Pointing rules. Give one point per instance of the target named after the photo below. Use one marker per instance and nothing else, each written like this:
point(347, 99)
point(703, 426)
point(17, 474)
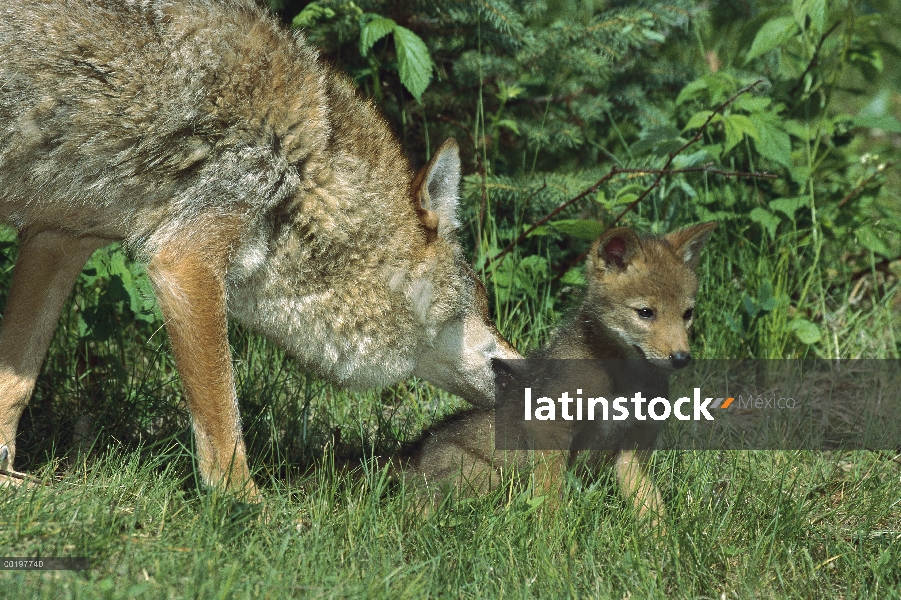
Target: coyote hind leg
point(48, 264)
point(189, 278)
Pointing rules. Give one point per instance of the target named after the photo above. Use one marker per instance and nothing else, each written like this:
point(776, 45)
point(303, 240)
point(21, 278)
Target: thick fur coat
point(251, 178)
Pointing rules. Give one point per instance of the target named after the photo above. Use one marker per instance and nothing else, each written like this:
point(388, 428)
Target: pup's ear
point(615, 248)
point(435, 190)
point(688, 242)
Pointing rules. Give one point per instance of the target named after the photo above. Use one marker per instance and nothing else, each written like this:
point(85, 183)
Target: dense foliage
point(546, 97)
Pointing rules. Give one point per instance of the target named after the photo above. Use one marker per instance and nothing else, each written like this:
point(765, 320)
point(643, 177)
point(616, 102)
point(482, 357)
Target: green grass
point(743, 524)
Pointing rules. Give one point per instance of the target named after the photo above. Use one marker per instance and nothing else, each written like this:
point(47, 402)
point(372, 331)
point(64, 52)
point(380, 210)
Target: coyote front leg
point(189, 278)
point(48, 264)
point(632, 468)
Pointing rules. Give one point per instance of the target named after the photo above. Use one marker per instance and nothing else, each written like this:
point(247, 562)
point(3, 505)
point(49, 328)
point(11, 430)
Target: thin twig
point(22, 476)
point(880, 267)
point(590, 190)
point(672, 155)
point(865, 182)
point(814, 59)
point(703, 169)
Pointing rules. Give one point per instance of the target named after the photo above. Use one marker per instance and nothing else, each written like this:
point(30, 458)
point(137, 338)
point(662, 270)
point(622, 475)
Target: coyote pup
point(639, 305)
point(254, 183)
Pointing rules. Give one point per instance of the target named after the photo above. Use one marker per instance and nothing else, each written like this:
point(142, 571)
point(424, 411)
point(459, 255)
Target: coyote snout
point(254, 183)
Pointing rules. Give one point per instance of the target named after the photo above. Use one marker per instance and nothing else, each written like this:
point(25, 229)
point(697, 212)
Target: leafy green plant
point(412, 60)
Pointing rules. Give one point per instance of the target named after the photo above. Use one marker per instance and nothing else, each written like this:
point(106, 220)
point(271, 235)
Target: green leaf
point(750, 306)
point(806, 331)
point(509, 124)
point(885, 122)
point(689, 160)
point(772, 141)
point(535, 502)
point(752, 104)
point(654, 36)
point(692, 90)
point(798, 129)
point(414, 61)
point(628, 193)
point(689, 191)
point(312, 13)
point(768, 220)
point(698, 119)
point(765, 298)
point(744, 124)
point(869, 240)
point(375, 30)
point(583, 229)
point(737, 127)
point(788, 206)
point(815, 9)
point(774, 33)
point(801, 175)
point(733, 325)
point(663, 138)
point(574, 276)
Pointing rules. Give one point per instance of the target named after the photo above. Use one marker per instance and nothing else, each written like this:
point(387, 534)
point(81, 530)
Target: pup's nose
point(680, 360)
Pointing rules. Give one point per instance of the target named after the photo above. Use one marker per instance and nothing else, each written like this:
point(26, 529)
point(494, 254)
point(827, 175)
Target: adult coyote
point(254, 183)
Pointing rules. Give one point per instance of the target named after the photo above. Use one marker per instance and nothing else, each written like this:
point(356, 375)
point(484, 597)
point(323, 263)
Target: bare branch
point(814, 59)
point(23, 477)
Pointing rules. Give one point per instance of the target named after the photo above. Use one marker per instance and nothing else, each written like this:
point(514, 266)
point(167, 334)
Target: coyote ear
point(435, 188)
point(616, 247)
point(687, 242)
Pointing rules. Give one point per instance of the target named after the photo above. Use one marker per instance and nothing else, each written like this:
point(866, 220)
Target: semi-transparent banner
point(709, 405)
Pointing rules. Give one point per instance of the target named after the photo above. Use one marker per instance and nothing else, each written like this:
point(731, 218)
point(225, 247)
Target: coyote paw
point(9, 477)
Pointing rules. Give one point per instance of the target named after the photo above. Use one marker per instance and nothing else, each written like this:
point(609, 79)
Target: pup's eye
point(645, 313)
point(688, 314)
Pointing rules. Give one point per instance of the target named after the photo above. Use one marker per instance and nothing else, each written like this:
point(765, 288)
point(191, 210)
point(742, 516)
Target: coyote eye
point(645, 313)
point(688, 314)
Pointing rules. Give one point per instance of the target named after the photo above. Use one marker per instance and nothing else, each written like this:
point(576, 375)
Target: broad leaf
point(311, 14)
point(414, 61)
point(737, 127)
point(806, 331)
point(869, 240)
point(773, 141)
point(769, 221)
point(774, 33)
point(698, 119)
point(815, 9)
point(788, 206)
point(375, 30)
point(582, 229)
point(885, 122)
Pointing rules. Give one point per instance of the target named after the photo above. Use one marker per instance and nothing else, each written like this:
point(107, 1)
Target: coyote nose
point(680, 359)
